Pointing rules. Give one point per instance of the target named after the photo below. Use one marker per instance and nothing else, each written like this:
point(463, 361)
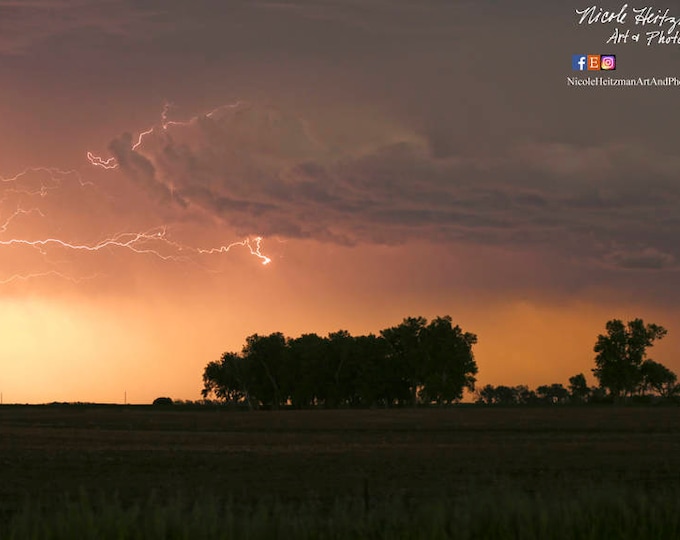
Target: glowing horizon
point(414, 179)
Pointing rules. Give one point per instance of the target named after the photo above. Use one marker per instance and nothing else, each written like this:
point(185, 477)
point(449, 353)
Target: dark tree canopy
point(449, 366)
point(421, 362)
point(657, 377)
point(578, 388)
point(553, 393)
point(406, 364)
point(620, 354)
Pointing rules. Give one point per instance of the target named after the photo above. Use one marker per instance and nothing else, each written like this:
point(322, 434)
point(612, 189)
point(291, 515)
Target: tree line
point(621, 368)
point(417, 362)
point(411, 363)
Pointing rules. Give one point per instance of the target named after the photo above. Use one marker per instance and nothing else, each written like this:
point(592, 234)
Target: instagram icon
point(608, 62)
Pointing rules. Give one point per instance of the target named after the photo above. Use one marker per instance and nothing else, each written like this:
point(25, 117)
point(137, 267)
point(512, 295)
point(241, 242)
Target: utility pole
point(125, 398)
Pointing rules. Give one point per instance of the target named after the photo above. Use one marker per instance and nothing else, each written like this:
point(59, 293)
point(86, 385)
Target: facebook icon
point(578, 62)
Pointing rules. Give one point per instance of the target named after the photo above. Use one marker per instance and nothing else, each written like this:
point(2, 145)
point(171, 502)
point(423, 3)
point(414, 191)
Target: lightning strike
point(110, 163)
point(103, 163)
point(142, 243)
point(53, 174)
point(164, 114)
point(245, 243)
point(155, 242)
point(165, 123)
point(19, 212)
point(48, 273)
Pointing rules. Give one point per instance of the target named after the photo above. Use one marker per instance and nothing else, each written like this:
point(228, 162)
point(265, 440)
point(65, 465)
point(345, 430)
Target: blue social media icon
point(579, 62)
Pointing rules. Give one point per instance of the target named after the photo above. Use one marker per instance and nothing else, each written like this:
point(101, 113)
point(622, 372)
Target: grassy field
point(538, 464)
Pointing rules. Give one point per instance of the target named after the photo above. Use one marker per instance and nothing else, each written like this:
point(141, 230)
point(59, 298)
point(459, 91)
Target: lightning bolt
point(40, 182)
point(18, 212)
point(254, 250)
point(254, 244)
point(165, 123)
point(103, 163)
point(55, 176)
point(48, 273)
point(142, 243)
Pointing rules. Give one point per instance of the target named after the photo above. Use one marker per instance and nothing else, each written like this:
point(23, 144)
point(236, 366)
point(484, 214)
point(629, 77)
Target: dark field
point(422, 454)
point(132, 450)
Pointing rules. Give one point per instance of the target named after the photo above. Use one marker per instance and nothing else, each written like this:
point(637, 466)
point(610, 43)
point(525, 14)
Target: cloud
point(643, 259)
point(24, 25)
point(383, 16)
point(266, 171)
point(141, 170)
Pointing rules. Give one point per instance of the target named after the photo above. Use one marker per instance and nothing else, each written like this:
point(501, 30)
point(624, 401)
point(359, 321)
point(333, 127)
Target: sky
point(176, 176)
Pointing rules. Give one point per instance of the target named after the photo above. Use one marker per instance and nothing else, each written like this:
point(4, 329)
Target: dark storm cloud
point(31, 23)
point(453, 117)
point(141, 170)
point(265, 171)
point(383, 16)
point(645, 259)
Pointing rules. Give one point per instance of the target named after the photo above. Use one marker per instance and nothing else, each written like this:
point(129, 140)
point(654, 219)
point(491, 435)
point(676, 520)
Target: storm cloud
point(267, 171)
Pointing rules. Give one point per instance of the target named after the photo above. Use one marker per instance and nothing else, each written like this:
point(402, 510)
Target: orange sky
point(87, 347)
point(397, 159)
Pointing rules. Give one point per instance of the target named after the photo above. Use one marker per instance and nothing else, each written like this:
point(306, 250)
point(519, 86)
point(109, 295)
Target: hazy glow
point(382, 170)
point(151, 344)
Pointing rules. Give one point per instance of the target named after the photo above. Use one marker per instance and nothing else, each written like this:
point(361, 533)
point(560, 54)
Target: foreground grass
point(454, 473)
point(592, 514)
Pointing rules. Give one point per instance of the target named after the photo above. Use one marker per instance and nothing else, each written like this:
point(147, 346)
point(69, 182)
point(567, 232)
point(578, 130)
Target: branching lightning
point(48, 273)
point(149, 242)
point(254, 249)
point(54, 177)
point(110, 163)
point(18, 212)
point(103, 163)
point(25, 194)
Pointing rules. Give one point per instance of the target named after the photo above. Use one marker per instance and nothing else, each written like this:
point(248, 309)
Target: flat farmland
point(294, 455)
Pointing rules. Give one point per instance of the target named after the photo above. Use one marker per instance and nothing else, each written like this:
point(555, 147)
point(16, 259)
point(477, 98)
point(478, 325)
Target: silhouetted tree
point(553, 393)
point(229, 379)
point(578, 388)
point(162, 401)
point(486, 395)
point(598, 394)
point(375, 382)
point(407, 354)
point(620, 353)
point(266, 359)
point(659, 378)
point(342, 370)
point(449, 365)
point(525, 396)
point(305, 369)
point(506, 395)
point(498, 395)
point(432, 361)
